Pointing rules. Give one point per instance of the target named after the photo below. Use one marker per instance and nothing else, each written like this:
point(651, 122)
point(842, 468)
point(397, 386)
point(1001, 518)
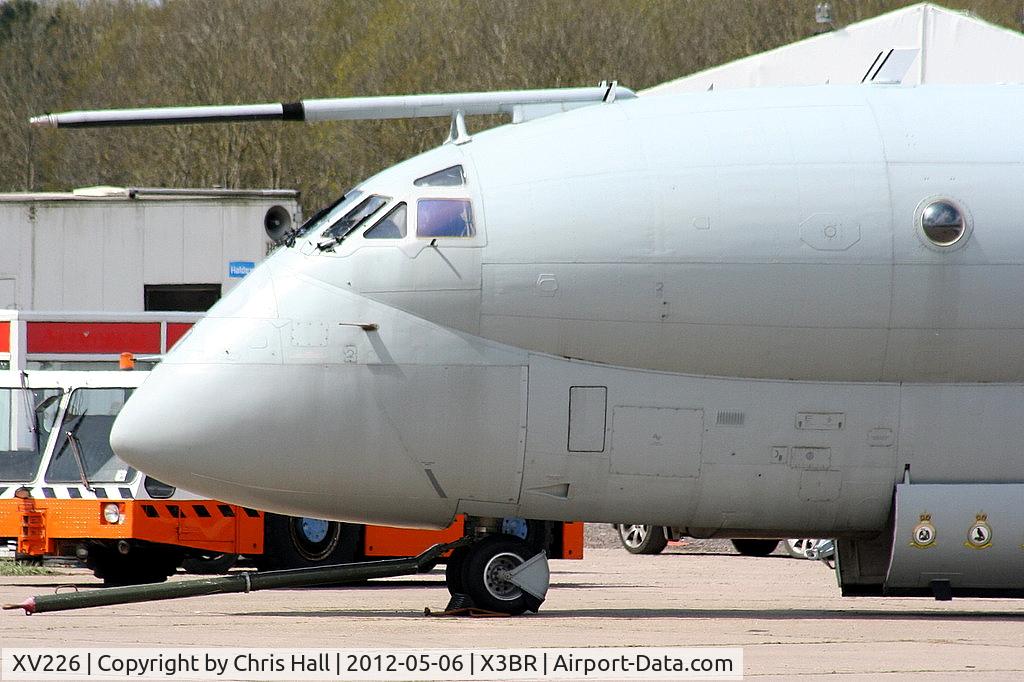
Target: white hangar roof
point(935, 45)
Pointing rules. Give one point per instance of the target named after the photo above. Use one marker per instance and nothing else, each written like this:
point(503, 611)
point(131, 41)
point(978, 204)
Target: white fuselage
point(716, 311)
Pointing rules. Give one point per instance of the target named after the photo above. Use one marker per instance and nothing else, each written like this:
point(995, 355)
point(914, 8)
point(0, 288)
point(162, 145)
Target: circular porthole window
point(943, 223)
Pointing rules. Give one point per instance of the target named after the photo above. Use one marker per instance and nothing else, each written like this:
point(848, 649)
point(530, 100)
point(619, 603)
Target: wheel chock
point(459, 601)
point(462, 605)
point(532, 576)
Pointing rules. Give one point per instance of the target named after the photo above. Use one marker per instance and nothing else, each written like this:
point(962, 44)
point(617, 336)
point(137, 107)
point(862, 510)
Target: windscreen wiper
point(76, 449)
point(26, 392)
point(351, 221)
point(329, 241)
point(289, 237)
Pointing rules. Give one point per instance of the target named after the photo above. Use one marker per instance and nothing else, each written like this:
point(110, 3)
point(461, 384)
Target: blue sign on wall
point(240, 268)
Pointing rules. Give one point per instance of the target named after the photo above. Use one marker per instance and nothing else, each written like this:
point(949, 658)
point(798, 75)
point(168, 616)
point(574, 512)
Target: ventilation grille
point(730, 418)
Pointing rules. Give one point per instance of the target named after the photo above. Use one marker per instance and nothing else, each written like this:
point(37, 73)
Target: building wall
point(99, 255)
point(953, 48)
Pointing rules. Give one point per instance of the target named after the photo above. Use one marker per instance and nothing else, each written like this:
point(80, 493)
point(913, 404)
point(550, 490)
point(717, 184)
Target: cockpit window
point(354, 218)
point(328, 214)
point(452, 176)
point(391, 226)
point(444, 218)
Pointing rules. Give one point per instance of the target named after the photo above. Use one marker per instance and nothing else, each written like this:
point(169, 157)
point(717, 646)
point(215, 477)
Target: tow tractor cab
point(63, 492)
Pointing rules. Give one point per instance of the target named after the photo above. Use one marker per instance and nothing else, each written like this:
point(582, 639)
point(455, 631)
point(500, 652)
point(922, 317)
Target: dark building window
point(191, 298)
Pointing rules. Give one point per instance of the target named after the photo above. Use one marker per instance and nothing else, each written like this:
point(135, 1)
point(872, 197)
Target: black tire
point(755, 547)
point(296, 542)
point(208, 563)
point(638, 538)
point(28, 559)
point(453, 571)
point(144, 564)
point(480, 575)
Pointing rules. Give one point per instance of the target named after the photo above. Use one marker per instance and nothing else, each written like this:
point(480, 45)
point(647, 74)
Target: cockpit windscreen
point(328, 214)
point(391, 226)
point(351, 220)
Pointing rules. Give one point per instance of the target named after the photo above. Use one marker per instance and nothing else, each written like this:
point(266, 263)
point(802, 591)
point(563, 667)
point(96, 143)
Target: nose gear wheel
point(496, 576)
point(482, 576)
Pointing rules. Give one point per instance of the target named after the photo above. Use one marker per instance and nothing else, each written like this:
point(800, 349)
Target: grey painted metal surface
point(744, 273)
point(969, 536)
point(751, 235)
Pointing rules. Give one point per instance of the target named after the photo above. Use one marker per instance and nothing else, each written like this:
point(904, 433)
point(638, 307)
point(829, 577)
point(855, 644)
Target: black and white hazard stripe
point(53, 491)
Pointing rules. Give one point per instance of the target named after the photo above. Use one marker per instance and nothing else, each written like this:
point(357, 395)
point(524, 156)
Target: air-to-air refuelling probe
point(762, 313)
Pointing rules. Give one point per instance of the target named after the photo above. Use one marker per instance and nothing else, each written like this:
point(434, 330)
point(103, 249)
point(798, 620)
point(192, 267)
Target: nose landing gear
point(498, 573)
point(487, 570)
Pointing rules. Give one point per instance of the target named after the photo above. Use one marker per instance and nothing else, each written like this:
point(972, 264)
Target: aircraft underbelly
point(612, 444)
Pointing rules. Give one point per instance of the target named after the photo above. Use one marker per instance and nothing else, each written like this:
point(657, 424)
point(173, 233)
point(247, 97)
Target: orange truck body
point(384, 541)
point(42, 526)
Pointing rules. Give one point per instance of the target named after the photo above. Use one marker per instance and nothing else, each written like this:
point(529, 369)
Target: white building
point(941, 46)
point(130, 250)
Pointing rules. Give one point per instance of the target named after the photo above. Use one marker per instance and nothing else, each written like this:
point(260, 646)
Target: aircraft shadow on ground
point(785, 614)
point(668, 554)
point(633, 613)
point(419, 584)
point(69, 586)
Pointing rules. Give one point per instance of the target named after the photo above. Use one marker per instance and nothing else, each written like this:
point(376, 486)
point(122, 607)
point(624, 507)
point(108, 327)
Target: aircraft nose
point(185, 409)
point(208, 416)
point(274, 402)
point(149, 433)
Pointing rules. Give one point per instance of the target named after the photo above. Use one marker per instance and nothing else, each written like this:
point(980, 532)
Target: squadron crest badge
point(923, 534)
point(979, 536)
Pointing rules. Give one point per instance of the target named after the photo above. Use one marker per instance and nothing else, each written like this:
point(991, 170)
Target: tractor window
point(86, 431)
point(444, 218)
point(391, 226)
point(26, 418)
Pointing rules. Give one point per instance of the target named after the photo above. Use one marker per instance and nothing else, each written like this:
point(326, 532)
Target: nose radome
point(151, 433)
point(128, 437)
point(253, 297)
point(272, 412)
point(176, 417)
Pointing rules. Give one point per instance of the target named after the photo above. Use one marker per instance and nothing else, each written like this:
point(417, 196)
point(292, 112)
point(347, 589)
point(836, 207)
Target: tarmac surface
point(785, 613)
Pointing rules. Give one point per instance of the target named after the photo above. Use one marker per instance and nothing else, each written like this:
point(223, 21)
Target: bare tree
point(60, 54)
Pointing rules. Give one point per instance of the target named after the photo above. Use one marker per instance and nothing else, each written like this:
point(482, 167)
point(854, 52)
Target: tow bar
point(242, 582)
